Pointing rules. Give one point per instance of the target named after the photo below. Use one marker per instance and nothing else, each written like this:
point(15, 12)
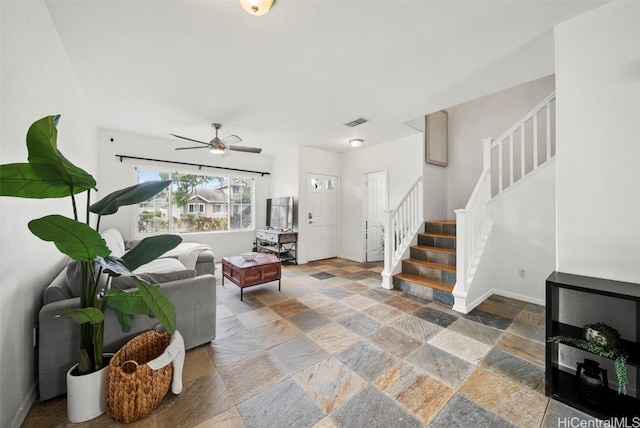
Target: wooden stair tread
point(426, 282)
point(433, 265)
point(442, 222)
point(436, 249)
point(437, 235)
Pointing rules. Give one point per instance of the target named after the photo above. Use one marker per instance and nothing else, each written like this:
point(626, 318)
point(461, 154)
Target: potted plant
point(601, 339)
point(48, 174)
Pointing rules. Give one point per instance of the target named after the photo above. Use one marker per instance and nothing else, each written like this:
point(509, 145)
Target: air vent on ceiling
point(357, 122)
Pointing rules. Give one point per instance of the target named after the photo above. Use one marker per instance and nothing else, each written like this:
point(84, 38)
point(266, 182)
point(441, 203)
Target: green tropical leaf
point(128, 302)
point(86, 315)
point(49, 163)
point(128, 196)
point(125, 320)
point(159, 304)
point(150, 248)
point(21, 181)
point(75, 239)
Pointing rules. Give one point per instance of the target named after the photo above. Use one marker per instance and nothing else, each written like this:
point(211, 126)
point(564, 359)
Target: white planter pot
point(86, 395)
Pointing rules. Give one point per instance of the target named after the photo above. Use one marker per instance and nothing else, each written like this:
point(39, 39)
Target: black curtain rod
point(262, 173)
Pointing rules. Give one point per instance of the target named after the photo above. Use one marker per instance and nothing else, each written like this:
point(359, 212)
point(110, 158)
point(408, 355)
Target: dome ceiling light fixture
point(356, 142)
point(256, 7)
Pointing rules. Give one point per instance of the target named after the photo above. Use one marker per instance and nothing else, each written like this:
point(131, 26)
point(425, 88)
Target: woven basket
point(134, 389)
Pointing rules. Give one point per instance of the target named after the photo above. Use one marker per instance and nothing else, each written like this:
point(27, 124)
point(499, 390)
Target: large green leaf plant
point(48, 174)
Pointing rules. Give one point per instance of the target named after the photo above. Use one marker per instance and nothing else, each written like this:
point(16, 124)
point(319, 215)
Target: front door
point(375, 202)
point(322, 216)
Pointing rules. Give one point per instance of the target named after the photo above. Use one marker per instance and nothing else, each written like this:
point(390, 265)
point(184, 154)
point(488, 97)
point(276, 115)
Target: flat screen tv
point(280, 213)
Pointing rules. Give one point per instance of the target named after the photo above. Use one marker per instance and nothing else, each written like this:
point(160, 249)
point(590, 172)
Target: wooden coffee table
point(264, 268)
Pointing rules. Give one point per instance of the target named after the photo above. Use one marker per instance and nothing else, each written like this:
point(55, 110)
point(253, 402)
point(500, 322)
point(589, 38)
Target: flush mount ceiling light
point(256, 7)
point(356, 142)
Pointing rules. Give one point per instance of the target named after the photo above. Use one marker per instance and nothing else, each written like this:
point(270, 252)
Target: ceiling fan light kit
point(356, 142)
point(256, 7)
point(216, 149)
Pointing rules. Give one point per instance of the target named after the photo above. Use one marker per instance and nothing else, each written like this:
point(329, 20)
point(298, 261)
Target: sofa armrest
point(59, 337)
point(195, 303)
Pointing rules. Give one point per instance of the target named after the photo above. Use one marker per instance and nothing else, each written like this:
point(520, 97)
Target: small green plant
point(602, 334)
point(605, 344)
point(48, 174)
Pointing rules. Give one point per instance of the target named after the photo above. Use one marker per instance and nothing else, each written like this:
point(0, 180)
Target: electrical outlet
point(522, 273)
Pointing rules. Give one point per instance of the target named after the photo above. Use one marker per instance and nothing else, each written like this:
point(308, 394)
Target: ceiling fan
point(219, 146)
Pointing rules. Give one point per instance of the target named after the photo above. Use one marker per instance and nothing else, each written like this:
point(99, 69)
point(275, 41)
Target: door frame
point(365, 204)
point(305, 220)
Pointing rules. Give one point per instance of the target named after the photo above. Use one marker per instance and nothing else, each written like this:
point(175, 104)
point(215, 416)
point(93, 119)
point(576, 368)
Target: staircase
point(430, 270)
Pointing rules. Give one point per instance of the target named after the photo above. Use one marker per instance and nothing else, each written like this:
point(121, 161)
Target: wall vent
point(357, 122)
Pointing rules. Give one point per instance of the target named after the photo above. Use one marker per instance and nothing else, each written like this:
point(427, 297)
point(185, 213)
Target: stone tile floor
point(334, 349)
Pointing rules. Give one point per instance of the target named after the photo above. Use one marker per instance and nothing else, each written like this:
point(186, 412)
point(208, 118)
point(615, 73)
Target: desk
point(244, 273)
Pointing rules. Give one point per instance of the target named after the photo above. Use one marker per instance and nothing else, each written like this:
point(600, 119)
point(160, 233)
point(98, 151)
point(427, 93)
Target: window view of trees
point(196, 203)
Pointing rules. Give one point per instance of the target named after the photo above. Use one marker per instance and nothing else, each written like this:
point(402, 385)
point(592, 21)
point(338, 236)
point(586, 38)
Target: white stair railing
point(472, 225)
point(400, 227)
point(524, 147)
point(514, 155)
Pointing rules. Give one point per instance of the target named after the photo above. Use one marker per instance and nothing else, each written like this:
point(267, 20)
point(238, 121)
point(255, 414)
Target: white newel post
point(461, 248)
point(388, 249)
point(486, 152)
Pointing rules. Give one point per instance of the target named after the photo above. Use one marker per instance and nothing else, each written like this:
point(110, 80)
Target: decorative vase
point(86, 394)
point(593, 383)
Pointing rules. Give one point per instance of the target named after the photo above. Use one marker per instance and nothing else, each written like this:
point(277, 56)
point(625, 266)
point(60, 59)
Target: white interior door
point(322, 216)
point(375, 202)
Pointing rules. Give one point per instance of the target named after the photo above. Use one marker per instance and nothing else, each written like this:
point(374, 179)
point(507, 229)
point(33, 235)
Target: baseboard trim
point(23, 411)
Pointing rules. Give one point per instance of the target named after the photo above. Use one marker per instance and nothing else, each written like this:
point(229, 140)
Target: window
point(196, 208)
point(196, 203)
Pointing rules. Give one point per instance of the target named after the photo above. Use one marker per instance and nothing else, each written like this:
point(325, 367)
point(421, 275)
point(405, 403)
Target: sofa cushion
point(114, 241)
point(58, 289)
point(155, 272)
point(74, 277)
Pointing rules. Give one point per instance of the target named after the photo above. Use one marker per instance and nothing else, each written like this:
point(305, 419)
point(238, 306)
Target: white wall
point(284, 179)
point(402, 159)
point(489, 116)
point(598, 158)
point(434, 186)
point(36, 80)
point(114, 175)
point(598, 134)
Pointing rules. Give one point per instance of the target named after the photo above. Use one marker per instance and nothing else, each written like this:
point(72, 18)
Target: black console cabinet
point(560, 384)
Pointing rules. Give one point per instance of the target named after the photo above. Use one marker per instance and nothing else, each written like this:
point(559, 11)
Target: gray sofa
point(185, 275)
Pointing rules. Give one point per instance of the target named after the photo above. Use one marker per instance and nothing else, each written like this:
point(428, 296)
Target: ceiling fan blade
point(245, 149)
point(231, 139)
point(189, 139)
point(189, 148)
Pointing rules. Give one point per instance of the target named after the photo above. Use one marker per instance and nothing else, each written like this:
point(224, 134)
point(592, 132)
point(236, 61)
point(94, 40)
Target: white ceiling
point(299, 73)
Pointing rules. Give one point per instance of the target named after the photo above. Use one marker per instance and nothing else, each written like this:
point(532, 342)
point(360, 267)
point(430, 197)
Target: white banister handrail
point(526, 117)
point(527, 137)
point(472, 222)
point(400, 226)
